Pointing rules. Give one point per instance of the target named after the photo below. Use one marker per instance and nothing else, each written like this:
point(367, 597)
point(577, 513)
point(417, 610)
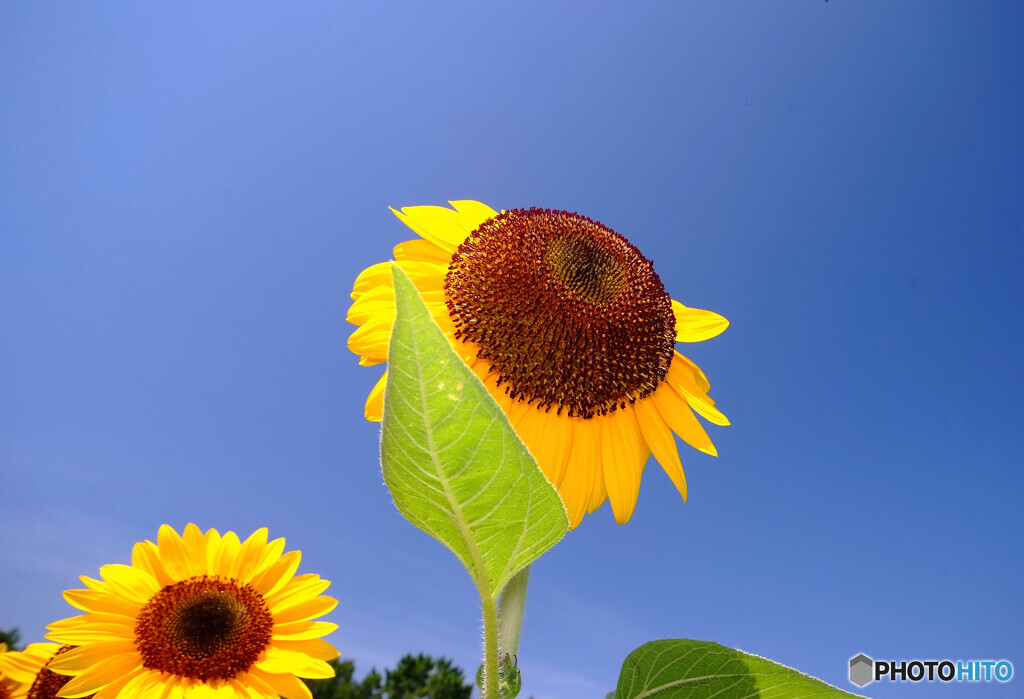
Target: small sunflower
point(23, 674)
point(8, 685)
point(571, 331)
point(199, 615)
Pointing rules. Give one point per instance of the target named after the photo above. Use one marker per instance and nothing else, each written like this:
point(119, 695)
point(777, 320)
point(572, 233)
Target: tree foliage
point(415, 677)
point(343, 686)
point(10, 638)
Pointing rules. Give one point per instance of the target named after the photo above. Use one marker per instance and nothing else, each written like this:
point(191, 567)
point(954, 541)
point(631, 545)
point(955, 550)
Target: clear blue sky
point(188, 190)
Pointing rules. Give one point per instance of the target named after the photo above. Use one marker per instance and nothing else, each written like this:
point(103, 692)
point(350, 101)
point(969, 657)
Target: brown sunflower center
point(204, 628)
point(5, 691)
point(47, 682)
point(565, 310)
point(586, 268)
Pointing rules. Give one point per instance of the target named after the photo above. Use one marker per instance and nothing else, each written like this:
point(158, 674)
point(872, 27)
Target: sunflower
point(199, 615)
point(24, 674)
point(8, 685)
point(571, 331)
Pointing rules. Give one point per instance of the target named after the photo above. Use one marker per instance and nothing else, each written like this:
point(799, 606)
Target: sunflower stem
point(490, 607)
point(510, 611)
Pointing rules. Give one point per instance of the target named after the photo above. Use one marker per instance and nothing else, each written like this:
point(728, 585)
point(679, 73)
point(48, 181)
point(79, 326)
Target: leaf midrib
point(481, 578)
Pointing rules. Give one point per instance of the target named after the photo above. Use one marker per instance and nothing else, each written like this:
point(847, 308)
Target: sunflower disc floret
point(565, 311)
point(204, 628)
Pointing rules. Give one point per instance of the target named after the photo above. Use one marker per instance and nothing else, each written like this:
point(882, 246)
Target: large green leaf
point(684, 669)
point(453, 463)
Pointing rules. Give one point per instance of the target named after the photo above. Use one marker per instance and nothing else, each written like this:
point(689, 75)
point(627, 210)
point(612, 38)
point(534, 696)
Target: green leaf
point(684, 669)
point(453, 463)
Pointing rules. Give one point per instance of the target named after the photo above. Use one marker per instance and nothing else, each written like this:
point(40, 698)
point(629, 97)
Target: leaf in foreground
point(453, 463)
point(684, 669)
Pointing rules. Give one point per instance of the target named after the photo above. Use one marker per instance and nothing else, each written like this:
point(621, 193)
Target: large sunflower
point(24, 674)
point(571, 331)
point(199, 615)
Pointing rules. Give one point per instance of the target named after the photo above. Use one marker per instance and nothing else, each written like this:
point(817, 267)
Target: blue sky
point(188, 192)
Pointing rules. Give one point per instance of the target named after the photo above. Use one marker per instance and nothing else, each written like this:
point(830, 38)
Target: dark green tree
point(11, 638)
point(343, 686)
point(422, 677)
point(415, 677)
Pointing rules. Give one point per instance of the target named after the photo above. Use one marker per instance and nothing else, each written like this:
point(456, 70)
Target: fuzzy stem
point(490, 608)
point(510, 611)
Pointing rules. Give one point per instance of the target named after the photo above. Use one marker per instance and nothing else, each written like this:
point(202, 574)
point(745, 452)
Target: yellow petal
point(102, 674)
point(300, 587)
point(90, 628)
point(378, 301)
point(299, 630)
point(173, 553)
point(598, 494)
point(271, 553)
point(376, 318)
point(224, 560)
point(195, 548)
point(549, 439)
point(174, 690)
point(92, 601)
point(250, 555)
point(374, 409)
point(490, 379)
point(132, 583)
point(518, 411)
point(141, 684)
point(473, 212)
point(373, 277)
point(246, 690)
point(425, 276)
point(443, 227)
point(420, 250)
point(213, 689)
point(677, 414)
point(125, 682)
point(78, 660)
point(93, 634)
point(286, 685)
point(690, 382)
point(688, 372)
point(97, 585)
point(213, 545)
point(227, 690)
point(371, 338)
point(278, 574)
point(623, 454)
point(307, 609)
point(146, 556)
point(702, 405)
point(257, 687)
point(278, 661)
point(376, 351)
point(580, 471)
point(695, 324)
point(661, 442)
point(313, 647)
point(196, 690)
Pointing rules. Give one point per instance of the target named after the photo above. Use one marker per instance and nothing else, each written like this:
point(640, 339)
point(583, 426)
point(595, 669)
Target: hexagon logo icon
point(862, 670)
